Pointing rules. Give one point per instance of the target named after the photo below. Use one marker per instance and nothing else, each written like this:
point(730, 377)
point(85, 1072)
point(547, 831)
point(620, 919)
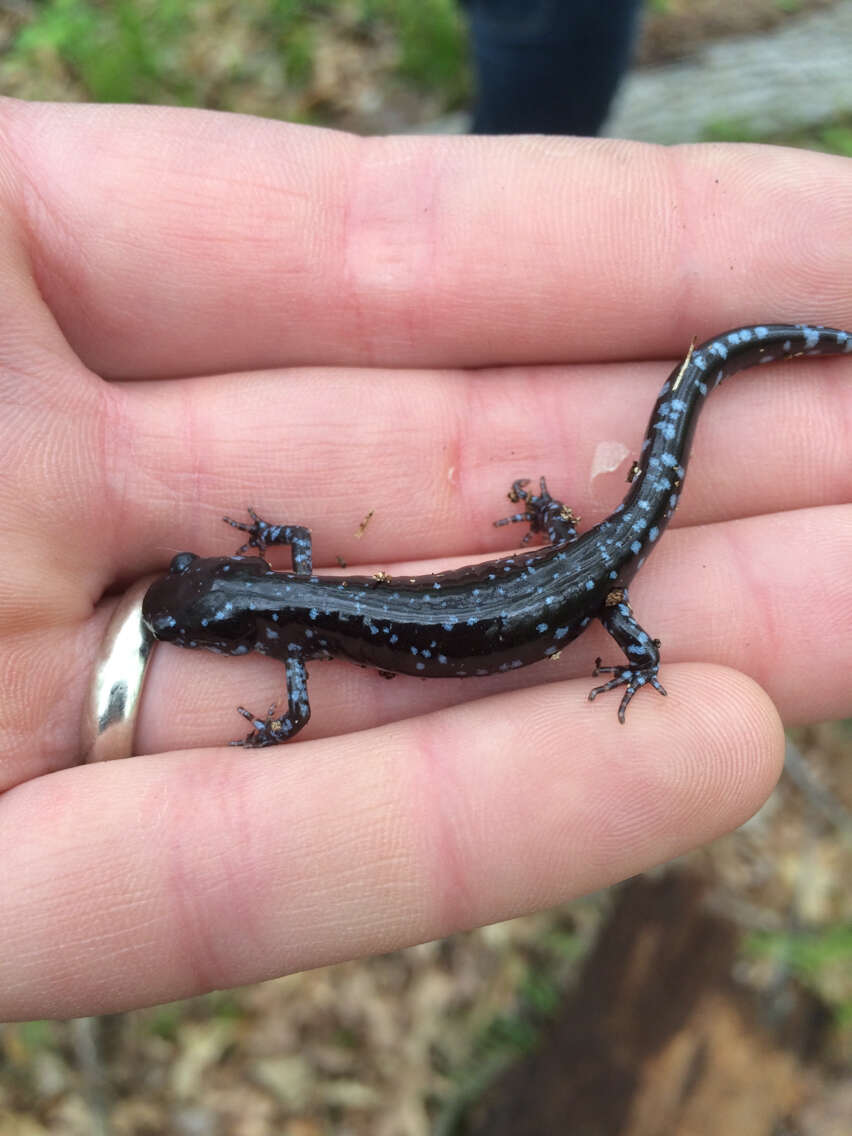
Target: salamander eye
point(181, 562)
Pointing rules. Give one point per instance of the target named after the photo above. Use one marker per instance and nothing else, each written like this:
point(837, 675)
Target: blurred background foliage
point(374, 66)
point(303, 60)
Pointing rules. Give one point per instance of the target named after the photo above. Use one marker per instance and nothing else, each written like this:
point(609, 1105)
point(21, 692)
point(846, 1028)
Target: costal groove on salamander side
point(480, 619)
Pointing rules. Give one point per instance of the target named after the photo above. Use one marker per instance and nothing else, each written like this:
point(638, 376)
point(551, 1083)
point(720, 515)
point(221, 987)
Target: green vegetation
point(120, 52)
point(433, 45)
point(837, 138)
point(820, 959)
point(221, 53)
point(32, 1037)
point(832, 137)
point(164, 1021)
point(729, 130)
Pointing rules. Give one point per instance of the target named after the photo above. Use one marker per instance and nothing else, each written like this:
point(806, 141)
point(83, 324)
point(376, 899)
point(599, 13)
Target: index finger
point(153, 225)
point(140, 881)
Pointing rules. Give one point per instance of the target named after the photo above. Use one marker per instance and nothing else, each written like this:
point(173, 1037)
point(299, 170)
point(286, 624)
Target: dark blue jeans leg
point(548, 66)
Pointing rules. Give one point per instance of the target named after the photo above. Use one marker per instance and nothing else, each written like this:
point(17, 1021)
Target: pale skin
point(328, 296)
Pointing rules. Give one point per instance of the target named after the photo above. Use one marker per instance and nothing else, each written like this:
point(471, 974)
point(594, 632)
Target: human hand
point(327, 295)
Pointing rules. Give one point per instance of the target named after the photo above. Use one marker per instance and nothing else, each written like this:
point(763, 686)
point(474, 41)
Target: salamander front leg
point(262, 534)
point(543, 513)
point(274, 728)
point(642, 651)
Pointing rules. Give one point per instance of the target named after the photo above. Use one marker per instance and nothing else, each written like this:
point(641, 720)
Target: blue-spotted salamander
point(482, 618)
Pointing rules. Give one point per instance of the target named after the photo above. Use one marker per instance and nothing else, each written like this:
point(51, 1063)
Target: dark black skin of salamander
point(481, 619)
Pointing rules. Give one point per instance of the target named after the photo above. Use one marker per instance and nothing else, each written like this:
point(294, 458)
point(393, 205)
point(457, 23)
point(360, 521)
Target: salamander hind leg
point(275, 728)
point(262, 534)
point(543, 513)
point(643, 655)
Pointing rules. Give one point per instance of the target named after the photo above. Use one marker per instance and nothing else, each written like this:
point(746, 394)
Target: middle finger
point(431, 454)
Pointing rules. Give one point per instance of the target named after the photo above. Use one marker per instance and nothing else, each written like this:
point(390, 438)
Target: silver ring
point(109, 719)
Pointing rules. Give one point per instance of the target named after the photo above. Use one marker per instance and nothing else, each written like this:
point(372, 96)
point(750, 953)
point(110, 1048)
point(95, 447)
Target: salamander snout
point(203, 603)
point(158, 612)
point(181, 562)
point(166, 602)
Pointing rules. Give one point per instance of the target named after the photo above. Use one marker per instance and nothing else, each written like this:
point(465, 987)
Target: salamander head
point(200, 603)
